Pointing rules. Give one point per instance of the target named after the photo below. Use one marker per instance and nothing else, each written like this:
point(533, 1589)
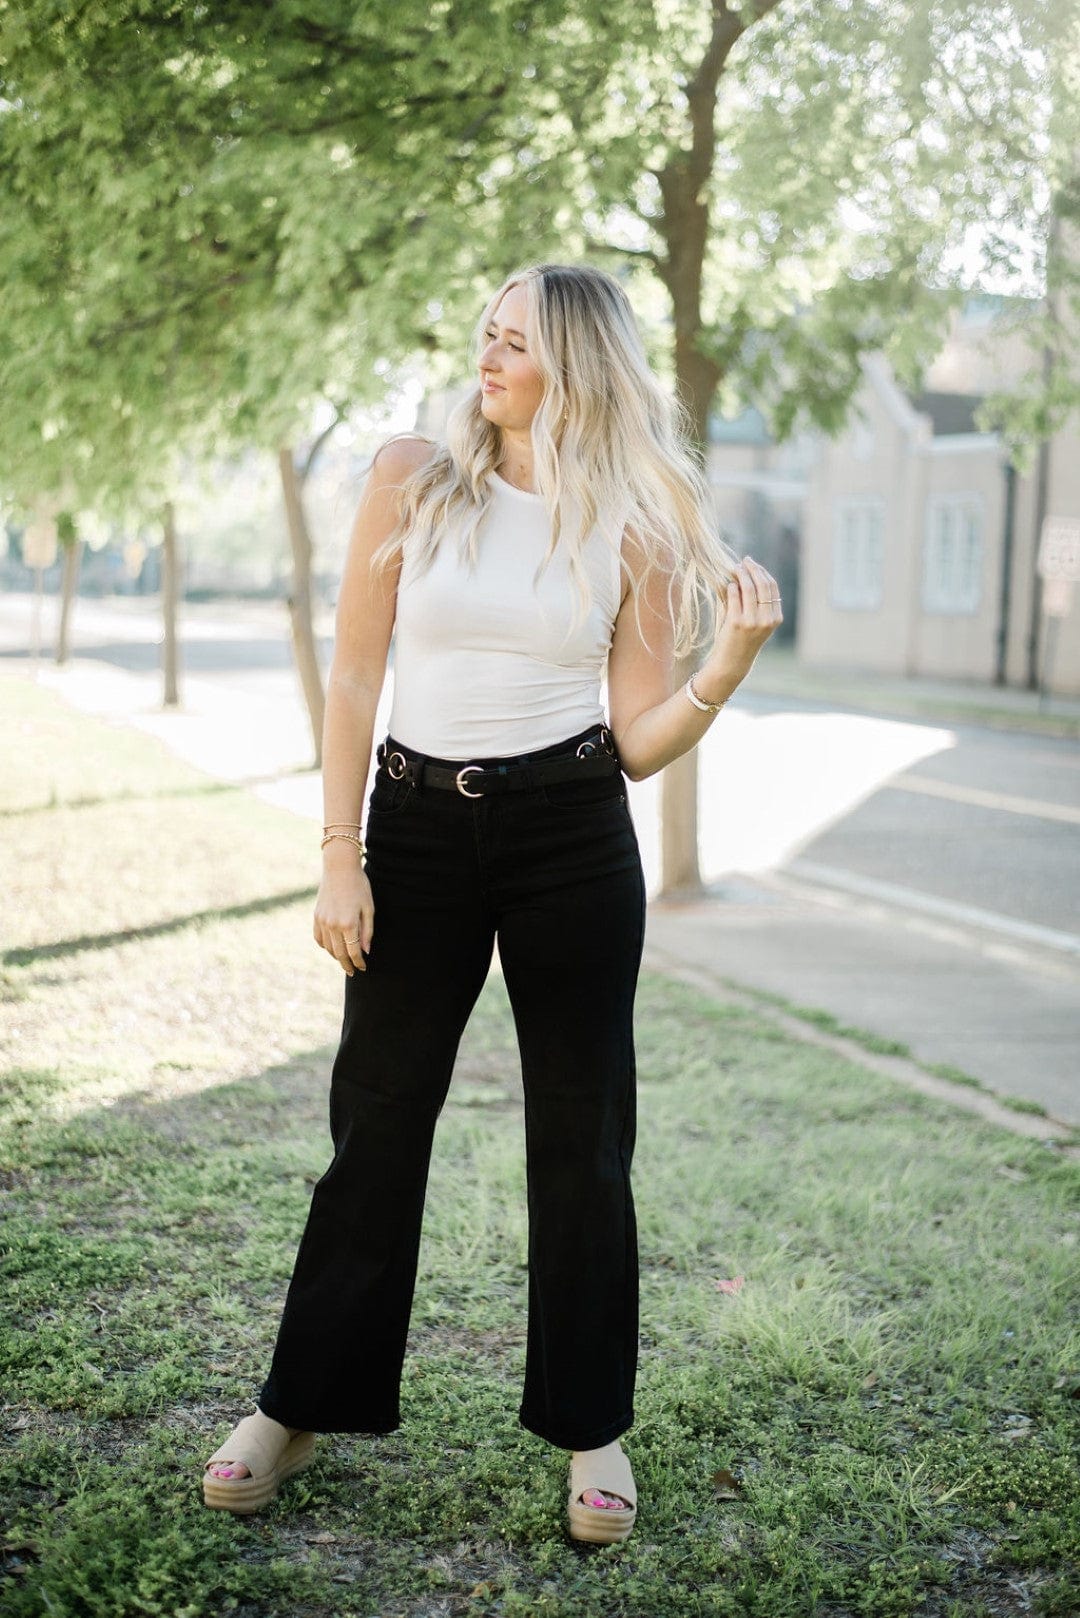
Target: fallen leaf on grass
point(734, 1285)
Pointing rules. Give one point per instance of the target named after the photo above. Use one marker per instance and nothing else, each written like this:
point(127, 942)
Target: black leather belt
point(594, 756)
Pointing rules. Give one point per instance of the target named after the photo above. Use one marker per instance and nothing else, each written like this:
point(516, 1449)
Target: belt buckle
point(396, 774)
point(468, 769)
point(587, 748)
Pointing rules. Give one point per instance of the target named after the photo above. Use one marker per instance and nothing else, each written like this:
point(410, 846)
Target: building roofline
point(879, 374)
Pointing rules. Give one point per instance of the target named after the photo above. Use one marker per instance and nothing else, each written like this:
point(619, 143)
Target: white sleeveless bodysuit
point(484, 664)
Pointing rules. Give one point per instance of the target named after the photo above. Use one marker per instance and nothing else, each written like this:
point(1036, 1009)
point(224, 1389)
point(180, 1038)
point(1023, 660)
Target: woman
point(562, 528)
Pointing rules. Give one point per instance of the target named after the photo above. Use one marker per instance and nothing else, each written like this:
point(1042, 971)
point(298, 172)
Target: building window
point(953, 555)
point(858, 554)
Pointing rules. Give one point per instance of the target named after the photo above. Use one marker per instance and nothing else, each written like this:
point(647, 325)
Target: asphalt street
point(992, 822)
point(918, 880)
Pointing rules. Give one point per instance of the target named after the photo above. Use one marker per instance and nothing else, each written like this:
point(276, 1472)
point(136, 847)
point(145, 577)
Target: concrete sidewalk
point(1005, 1011)
point(977, 1003)
point(778, 673)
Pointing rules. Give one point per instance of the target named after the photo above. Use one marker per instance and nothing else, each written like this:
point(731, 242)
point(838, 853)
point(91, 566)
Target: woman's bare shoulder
point(398, 457)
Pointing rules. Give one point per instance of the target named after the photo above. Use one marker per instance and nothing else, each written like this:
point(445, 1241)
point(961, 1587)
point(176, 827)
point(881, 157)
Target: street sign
point(1059, 549)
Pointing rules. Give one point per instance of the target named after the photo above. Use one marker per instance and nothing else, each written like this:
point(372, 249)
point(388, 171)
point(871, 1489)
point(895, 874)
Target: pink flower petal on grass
point(731, 1286)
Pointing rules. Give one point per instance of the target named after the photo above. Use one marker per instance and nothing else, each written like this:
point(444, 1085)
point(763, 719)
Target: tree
point(289, 195)
point(279, 218)
point(795, 176)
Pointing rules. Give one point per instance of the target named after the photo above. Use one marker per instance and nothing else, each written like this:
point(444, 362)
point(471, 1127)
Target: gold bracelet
point(345, 836)
point(352, 825)
point(706, 707)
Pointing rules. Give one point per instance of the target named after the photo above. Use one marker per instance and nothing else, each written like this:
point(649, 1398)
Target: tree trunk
point(305, 650)
point(680, 870)
point(69, 585)
point(170, 595)
point(684, 226)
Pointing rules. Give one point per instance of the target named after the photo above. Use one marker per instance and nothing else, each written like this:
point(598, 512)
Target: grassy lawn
point(882, 1420)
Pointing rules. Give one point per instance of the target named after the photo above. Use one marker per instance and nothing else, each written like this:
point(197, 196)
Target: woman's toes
point(594, 1497)
point(597, 1497)
point(229, 1469)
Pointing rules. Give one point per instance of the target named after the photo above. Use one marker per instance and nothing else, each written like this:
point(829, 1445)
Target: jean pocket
point(587, 796)
point(390, 796)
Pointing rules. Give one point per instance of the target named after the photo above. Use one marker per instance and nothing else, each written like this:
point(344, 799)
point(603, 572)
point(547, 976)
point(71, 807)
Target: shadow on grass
point(882, 1391)
point(27, 954)
point(106, 799)
point(100, 799)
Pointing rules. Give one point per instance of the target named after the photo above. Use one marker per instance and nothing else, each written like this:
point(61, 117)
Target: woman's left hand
point(753, 612)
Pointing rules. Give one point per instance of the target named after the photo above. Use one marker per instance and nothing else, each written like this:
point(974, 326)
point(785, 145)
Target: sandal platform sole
point(248, 1494)
point(599, 1525)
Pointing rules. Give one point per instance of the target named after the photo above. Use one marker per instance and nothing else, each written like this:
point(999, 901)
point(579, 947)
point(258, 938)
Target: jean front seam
point(564, 899)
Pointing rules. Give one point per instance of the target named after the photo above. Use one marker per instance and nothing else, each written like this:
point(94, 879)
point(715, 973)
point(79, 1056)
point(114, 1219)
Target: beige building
point(908, 543)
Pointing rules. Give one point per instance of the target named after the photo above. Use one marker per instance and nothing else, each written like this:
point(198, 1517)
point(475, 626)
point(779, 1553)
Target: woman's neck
point(516, 463)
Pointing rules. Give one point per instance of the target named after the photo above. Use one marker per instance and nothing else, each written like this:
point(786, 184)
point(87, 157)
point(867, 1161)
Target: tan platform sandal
point(263, 1445)
point(611, 1474)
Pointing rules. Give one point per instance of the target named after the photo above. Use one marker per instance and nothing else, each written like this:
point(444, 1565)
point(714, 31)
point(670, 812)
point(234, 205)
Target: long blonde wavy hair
point(610, 446)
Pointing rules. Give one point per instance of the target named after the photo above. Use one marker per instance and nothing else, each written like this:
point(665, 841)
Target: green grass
point(955, 1075)
point(895, 1388)
point(882, 1045)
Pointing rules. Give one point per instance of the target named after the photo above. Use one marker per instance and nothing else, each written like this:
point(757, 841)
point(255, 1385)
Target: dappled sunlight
point(770, 783)
point(250, 730)
point(234, 729)
point(164, 1018)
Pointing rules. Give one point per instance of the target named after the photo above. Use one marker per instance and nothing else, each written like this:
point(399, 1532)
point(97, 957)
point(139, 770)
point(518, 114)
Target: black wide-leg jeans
point(554, 873)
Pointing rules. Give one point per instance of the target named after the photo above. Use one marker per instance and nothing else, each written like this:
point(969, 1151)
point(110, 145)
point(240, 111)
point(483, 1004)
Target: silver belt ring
point(587, 749)
point(396, 774)
point(468, 769)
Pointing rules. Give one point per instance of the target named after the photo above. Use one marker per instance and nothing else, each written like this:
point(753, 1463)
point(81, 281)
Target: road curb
point(1033, 1126)
point(1050, 724)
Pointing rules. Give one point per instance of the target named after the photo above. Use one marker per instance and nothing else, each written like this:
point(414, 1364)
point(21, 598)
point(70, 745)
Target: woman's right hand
point(344, 910)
